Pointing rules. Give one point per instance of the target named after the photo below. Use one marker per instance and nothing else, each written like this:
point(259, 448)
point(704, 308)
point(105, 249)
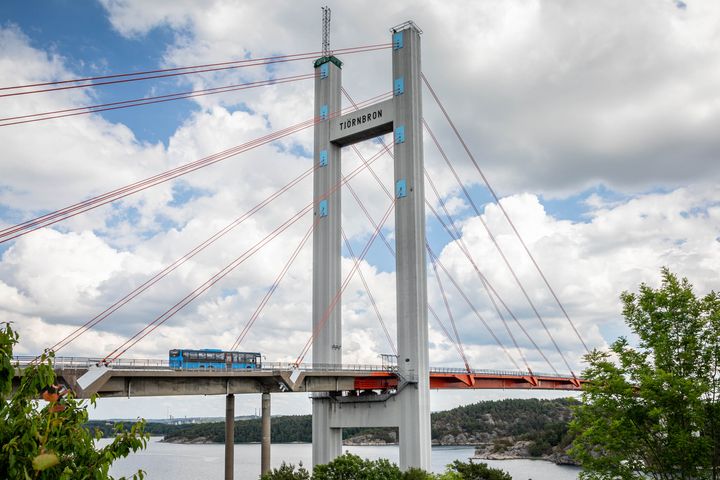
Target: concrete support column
point(265, 441)
point(229, 436)
point(412, 325)
point(327, 442)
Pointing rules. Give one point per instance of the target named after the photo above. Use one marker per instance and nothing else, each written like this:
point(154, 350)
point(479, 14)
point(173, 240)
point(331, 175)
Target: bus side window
point(235, 358)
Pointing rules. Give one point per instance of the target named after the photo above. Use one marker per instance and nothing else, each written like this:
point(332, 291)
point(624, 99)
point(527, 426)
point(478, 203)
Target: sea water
point(171, 461)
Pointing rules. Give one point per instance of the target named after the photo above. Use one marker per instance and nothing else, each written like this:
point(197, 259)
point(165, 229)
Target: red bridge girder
point(443, 381)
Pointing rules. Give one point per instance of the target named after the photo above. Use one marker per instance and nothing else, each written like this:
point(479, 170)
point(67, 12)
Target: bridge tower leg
point(327, 441)
point(411, 278)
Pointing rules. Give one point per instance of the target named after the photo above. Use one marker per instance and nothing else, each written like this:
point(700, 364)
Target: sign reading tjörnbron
point(363, 124)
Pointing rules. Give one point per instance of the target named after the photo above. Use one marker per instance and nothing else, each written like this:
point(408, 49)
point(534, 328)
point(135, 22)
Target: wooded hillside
point(540, 426)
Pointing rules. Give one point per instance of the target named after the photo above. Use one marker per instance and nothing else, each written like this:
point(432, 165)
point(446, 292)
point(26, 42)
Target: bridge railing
point(514, 373)
point(85, 362)
point(154, 363)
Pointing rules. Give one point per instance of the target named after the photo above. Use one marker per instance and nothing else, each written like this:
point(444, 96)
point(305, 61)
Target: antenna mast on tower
point(326, 31)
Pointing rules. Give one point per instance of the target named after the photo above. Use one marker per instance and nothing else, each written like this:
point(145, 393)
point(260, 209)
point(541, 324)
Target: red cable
point(458, 345)
point(491, 288)
point(169, 313)
point(147, 72)
point(386, 148)
point(274, 287)
point(154, 322)
point(450, 315)
point(507, 217)
point(243, 63)
point(392, 252)
point(138, 102)
point(176, 264)
point(6, 231)
point(338, 294)
point(445, 330)
point(369, 294)
point(129, 190)
point(382, 236)
point(466, 251)
point(10, 233)
point(390, 248)
point(483, 279)
point(470, 304)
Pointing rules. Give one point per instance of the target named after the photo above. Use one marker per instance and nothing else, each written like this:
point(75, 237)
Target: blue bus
point(213, 359)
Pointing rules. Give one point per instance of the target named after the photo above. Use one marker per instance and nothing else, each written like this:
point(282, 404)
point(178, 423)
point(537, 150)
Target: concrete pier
point(266, 440)
point(229, 436)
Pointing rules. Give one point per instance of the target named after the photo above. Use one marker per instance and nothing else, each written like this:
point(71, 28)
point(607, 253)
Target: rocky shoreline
point(520, 451)
point(188, 440)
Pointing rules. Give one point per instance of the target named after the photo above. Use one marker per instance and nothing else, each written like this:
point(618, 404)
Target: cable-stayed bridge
point(392, 394)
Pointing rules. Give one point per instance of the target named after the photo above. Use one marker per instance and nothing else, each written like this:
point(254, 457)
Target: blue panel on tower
point(397, 40)
point(323, 208)
point(399, 86)
point(324, 112)
point(400, 188)
point(324, 70)
point(323, 158)
point(400, 134)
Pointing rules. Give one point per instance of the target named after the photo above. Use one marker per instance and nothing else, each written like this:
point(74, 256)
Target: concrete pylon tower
point(409, 408)
point(327, 346)
point(411, 276)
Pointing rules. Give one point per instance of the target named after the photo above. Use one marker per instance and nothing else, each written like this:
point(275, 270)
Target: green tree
point(473, 471)
point(352, 467)
point(287, 472)
point(651, 411)
point(417, 474)
point(50, 441)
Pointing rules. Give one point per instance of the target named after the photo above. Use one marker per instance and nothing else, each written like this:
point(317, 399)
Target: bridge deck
point(148, 377)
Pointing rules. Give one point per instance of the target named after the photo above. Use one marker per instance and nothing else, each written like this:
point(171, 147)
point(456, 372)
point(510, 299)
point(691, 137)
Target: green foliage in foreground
point(653, 411)
point(49, 440)
point(352, 467)
point(473, 471)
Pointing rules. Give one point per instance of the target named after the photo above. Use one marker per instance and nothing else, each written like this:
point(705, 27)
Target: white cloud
point(557, 96)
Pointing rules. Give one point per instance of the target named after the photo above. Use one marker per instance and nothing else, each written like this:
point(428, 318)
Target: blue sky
point(81, 33)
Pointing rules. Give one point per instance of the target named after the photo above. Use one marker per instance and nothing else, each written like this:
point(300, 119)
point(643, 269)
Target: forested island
point(498, 429)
